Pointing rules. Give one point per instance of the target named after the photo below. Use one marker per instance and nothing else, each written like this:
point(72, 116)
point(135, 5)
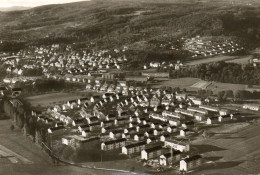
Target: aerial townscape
point(130, 87)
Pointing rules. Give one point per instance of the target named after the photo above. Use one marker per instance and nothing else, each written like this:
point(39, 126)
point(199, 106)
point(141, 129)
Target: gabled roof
point(193, 158)
point(149, 150)
point(135, 144)
point(174, 153)
point(114, 141)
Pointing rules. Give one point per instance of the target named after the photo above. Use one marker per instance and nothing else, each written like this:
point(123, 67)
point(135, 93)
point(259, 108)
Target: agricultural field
point(217, 86)
point(196, 84)
point(228, 59)
point(180, 82)
point(210, 60)
point(201, 84)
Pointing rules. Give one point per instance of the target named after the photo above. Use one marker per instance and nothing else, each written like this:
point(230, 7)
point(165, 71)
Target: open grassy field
point(57, 98)
point(201, 84)
point(240, 60)
point(233, 148)
point(228, 59)
point(210, 60)
point(178, 82)
point(196, 84)
point(217, 86)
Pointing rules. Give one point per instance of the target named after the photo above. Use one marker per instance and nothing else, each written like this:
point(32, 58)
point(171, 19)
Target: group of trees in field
point(11, 46)
point(33, 72)
point(221, 72)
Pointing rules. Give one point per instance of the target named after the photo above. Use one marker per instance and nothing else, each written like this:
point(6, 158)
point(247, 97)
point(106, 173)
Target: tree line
point(221, 72)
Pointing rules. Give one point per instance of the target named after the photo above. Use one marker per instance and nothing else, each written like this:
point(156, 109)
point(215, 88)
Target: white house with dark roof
point(253, 107)
point(169, 158)
point(190, 163)
point(150, 153)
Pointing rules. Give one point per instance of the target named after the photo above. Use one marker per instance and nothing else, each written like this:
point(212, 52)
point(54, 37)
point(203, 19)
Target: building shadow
point(206, 148)
point(221, 165)
point(215, 158)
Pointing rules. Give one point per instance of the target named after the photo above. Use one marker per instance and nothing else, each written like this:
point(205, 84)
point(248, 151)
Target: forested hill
point(134, 23)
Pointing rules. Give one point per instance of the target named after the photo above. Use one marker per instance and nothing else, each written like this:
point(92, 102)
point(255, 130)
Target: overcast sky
point(32, 3)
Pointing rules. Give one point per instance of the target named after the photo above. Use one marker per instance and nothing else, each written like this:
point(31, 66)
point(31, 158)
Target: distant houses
point(253, 107)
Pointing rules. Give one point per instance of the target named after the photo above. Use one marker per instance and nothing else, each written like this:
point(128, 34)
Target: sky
point(32, 3)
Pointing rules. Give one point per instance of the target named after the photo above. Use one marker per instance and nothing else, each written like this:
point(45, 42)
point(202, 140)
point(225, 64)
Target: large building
point(169, 158)
point(180, 146)
point(113, 144)
point(150, 153)
point(190, 163)
point(133, 148)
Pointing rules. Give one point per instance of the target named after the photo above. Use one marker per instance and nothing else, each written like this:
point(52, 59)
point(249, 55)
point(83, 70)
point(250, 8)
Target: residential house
point(177, 145)
point(126, 135)
point(209, 108)
point(113, 144)
point(224, 112)
point(199, 116)
point(91, 120)
point(152, 152)
point(78, 121)
point(169, 158)
point(171, 129)
point(155, 102)
point(138, 137)
point(223, 118)
point(184, 132)
point(107, 123)
point(157, 117)
point(190, 163)
point(174, 122)
point(116, 133)
point(253, 107)
point(180, 96)
point(133, 148)
point(198, 110)
point(212, 120)
point(85, 132)
point(173, 115)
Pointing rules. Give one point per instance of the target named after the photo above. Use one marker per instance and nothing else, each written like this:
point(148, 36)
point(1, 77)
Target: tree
point(221, 95)
point(237, 94)
point(229, 94)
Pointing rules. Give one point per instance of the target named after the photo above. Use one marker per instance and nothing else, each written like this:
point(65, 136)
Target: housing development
point(78, 100)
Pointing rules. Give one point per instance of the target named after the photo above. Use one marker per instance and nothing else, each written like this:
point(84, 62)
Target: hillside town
point(126, 116)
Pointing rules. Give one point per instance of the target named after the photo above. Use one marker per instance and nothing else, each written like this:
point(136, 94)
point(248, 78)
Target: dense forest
point(222, 72)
